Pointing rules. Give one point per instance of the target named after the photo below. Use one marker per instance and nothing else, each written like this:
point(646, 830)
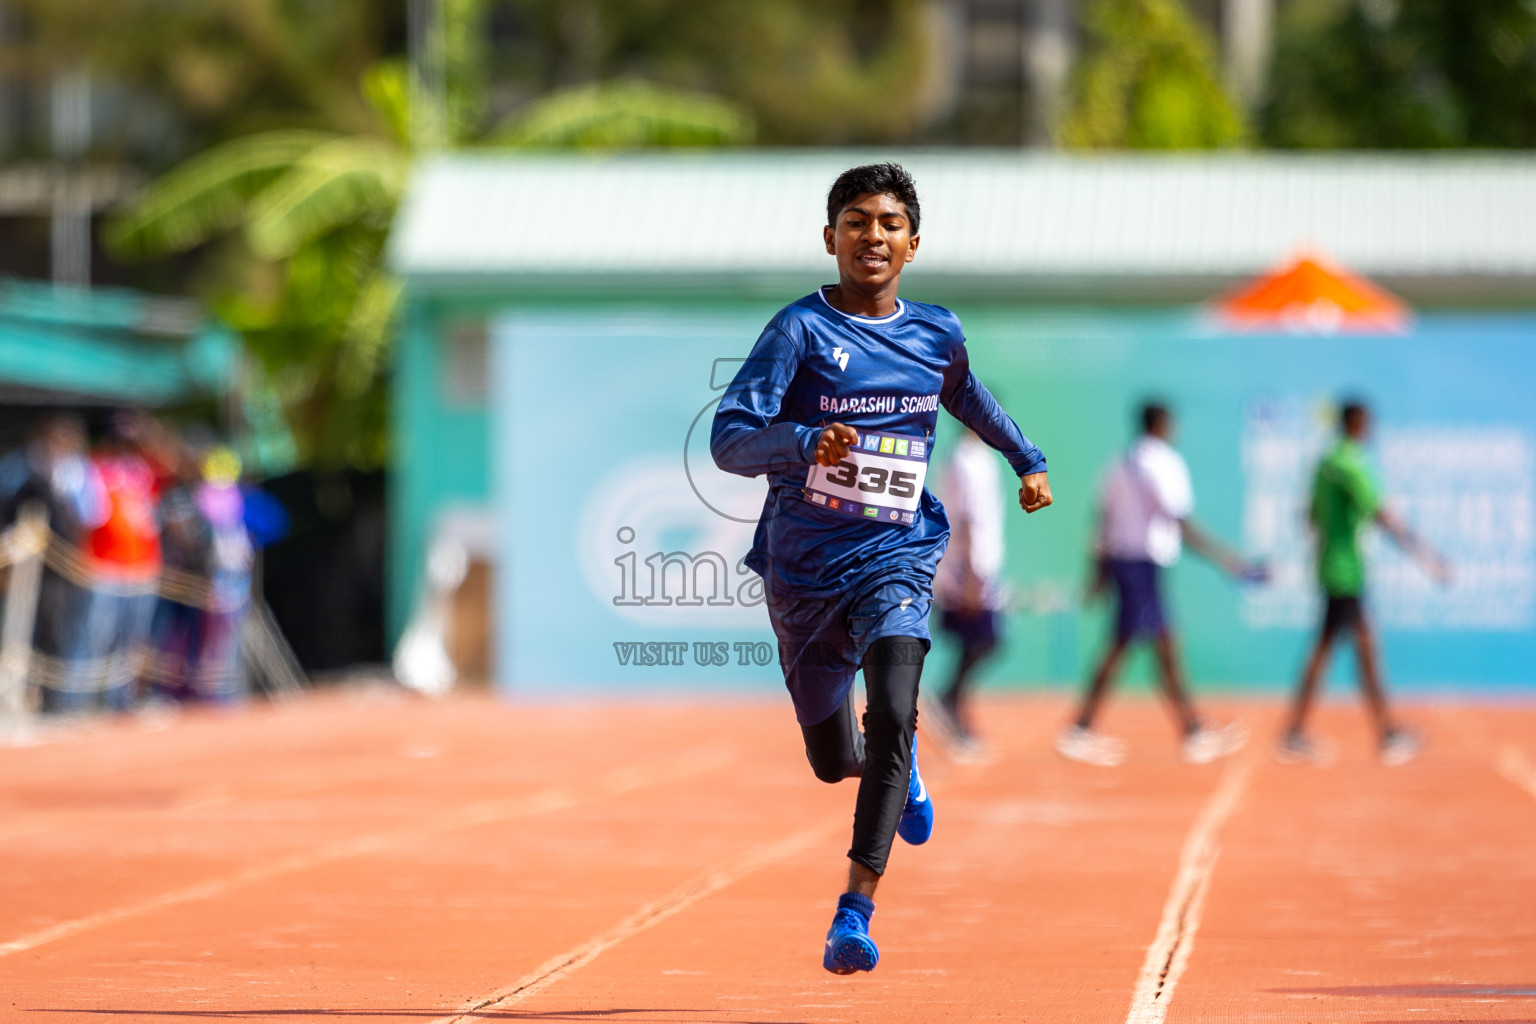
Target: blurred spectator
point(107, 637)
point(54, 469)
point(184, 542)
point(228, 567)
point(1146, 514)
point(151, 541)
point(970, 593)
point(208, 585)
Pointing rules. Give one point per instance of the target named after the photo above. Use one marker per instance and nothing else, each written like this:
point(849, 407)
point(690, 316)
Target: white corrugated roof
point(992, 214)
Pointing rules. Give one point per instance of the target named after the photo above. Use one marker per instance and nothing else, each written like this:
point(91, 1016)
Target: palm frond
point(625, 114)
point(206, 196)
point(344, 181)
point(367, 333)
point(387, 87)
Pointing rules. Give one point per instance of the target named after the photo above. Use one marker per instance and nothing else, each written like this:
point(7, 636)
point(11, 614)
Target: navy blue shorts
point(1140, 612)
point(1342, 612)
point(822, 640)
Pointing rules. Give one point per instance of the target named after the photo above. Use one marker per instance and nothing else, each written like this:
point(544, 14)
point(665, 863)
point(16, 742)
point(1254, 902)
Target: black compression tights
point(881, 755)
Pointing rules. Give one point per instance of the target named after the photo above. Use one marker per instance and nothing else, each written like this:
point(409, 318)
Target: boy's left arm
point(968, 401)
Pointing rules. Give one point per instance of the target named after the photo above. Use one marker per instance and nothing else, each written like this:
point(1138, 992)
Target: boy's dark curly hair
point(875, 179)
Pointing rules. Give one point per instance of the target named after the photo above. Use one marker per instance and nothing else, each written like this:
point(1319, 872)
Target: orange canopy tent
point(1310, 296)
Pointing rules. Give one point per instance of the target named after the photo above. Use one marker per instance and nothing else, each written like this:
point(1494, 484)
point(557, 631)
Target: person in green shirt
point(1345, 500)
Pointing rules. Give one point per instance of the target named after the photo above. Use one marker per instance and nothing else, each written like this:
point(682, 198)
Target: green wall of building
point(441, 443)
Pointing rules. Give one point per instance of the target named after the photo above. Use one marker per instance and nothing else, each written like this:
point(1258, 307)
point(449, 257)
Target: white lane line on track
point(1169, 953)
point(647, 916)
point(1515, 767)
point(546, 801)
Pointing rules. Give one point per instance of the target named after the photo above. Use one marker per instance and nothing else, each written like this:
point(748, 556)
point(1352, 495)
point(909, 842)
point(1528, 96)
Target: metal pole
point(70, 226)
point(30, 533)
point(1247, 31)
point(429, 75)
point(1047, 58)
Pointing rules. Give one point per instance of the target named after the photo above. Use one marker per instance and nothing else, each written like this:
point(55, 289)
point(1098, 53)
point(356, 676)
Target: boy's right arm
point(744, 439)
point(967, 400)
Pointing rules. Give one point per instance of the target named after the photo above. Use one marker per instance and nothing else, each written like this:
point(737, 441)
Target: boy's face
point(872, 240)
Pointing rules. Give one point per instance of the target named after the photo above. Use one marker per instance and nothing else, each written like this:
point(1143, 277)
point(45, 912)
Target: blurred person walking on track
point(968, 585)
point(837, 403)
point(1144, 520)
point(1345, 499)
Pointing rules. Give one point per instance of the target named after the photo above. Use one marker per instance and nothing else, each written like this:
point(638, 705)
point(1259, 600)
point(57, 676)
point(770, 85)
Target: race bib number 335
point(880, 479)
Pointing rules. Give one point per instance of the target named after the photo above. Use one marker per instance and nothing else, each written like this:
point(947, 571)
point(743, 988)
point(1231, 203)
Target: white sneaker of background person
point(1399, 746)
point(421, 659)
point(1207, 743)
point(1075, 743)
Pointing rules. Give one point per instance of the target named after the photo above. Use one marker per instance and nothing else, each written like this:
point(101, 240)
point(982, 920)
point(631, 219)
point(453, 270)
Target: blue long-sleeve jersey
point(815, 365)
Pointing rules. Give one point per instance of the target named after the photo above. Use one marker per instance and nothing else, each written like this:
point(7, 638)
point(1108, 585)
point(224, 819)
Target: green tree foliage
point(304, 215)
point(1404, 73)
point(1147, 81)
point(289, 207)
point(220, 68)
point(309, 213)
point(466, 55)
point(625, 114)
point(808, 71)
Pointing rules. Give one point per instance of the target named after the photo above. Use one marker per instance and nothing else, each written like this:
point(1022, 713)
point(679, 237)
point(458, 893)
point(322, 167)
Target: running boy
point(1345, 498)
point(837, 404)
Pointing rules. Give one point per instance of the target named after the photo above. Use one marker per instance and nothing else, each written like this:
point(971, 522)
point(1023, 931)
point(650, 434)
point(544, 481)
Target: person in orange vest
point(121, 562)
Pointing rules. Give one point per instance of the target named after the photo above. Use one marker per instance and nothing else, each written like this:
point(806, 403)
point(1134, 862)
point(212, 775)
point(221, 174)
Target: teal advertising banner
point(622, 544)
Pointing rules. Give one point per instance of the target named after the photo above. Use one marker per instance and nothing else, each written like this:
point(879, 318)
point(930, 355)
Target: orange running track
point(361, 854)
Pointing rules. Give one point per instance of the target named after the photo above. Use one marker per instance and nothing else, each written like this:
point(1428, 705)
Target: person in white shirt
point(1145, 519)
point(968, 584)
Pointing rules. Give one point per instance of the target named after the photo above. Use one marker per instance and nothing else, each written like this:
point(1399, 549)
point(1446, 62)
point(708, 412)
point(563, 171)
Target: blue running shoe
point(916, 823)
point(849, 947)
